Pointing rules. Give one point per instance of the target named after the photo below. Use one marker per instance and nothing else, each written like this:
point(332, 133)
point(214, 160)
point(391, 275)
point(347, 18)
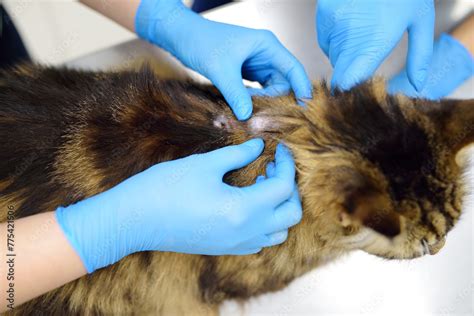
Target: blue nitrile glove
point(452, 65)
point(184, 206)
point(223, 53)
point(357, 36)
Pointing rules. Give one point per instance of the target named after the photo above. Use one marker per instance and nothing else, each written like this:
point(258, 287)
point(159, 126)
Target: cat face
point(387, 165)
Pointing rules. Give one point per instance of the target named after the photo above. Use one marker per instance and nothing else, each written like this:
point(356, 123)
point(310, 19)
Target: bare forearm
point(35, 259)
point(121, 11)
point(465, 33)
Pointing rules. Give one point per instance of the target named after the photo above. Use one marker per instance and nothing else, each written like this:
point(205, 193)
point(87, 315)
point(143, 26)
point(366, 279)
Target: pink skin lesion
point(256, 125)
point(223, 122)
point(227, 123)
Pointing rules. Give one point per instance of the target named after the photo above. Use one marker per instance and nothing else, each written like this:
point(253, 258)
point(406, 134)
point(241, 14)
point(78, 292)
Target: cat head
point(385, 168)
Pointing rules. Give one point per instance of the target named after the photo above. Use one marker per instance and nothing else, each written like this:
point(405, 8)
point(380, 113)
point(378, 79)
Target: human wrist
point(463, 33)
point(460, 57)
point(451, 66)
point(70, 237)
point(93, 229)
point(451, 59)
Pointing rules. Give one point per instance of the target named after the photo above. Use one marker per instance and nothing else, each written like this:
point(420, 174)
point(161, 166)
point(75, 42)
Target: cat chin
point(400, 247)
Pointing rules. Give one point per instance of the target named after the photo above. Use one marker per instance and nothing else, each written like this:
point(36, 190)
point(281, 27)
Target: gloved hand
point(357, 36)
point(223, 53)
point(452, 65)
point(184, 206)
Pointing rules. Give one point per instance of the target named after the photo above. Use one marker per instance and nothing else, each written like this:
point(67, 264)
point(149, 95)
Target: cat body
point(375, 172)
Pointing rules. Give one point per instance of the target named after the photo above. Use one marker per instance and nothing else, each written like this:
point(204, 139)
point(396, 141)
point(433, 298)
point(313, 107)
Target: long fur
point(371, 167)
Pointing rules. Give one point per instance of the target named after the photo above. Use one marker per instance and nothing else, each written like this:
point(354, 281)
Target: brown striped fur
point(375, 172)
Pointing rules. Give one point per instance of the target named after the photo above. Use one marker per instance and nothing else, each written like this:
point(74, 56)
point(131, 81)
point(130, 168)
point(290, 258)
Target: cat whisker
point(425, 247)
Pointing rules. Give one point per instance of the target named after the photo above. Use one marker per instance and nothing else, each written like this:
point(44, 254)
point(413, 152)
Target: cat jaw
point(404, 246)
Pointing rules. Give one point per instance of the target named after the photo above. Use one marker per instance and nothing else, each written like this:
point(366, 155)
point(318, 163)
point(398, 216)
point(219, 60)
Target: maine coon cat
point(375, 172)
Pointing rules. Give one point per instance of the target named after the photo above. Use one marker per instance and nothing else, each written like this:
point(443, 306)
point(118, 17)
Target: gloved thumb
point(236, 156)
point(231, 85)
point(420, 50)
point(349, 71)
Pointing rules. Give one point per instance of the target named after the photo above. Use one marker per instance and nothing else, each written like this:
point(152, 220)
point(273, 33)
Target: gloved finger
point(275, 85)
point(293, 71)
point(288, 214)
point(230, 84)
point(420, 48)
point(269, 240)
point(340, 66)
point(278, 188)
point(270, 169)
point(324, 23)
point(276, 238)
point(349, 71)
point(236, 156)
point(260, 179)
point(401, 84)
point(246, 252)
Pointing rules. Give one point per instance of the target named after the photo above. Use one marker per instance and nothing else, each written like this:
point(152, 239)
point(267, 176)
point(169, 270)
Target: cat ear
point(363, 204)
point(453, 121)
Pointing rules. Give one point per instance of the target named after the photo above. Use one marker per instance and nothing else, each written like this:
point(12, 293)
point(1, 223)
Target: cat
point(376, 172)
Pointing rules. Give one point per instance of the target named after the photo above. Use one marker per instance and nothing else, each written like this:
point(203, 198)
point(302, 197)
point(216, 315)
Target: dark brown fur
point(375, 172)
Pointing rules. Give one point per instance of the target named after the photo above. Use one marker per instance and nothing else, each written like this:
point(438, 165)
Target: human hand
point(452, 65)
point(223, 53)
point(184, 206)
point(357, 36)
